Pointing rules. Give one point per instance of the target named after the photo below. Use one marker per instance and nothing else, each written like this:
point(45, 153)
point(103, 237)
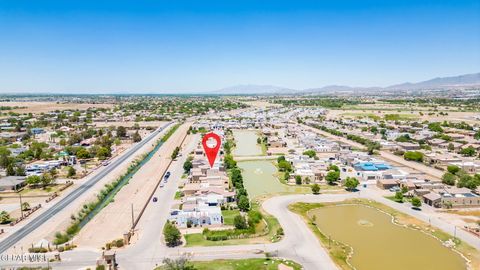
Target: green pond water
point(259, 179)
point(378, 244)
point(246, 143)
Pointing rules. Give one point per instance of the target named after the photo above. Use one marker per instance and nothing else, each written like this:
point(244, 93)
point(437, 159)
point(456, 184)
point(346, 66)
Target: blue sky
point(184, 46)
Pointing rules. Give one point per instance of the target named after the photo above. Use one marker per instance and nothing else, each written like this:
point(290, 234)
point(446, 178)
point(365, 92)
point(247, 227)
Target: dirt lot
point(115, 218)
point(39, 107)
point(406, 114)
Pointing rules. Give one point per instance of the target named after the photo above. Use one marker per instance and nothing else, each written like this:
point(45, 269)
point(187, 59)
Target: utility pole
point(21, 207)
point(132, 216)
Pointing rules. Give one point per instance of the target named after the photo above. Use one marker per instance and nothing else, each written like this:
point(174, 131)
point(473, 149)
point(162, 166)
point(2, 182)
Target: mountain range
point(453, 82)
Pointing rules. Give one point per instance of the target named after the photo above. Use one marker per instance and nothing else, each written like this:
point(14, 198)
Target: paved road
point(299, 243)
point(39, 220)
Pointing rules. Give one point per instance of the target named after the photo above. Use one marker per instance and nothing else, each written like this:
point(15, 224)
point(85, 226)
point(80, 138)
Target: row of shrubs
point(115, 243)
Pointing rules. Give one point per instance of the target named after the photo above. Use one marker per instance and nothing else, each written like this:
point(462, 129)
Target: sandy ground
point(62, 220)
point(39, 107)
point(115, 219)
point(468, 117)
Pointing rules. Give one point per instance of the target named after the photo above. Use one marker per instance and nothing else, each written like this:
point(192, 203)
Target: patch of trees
point(283, 164)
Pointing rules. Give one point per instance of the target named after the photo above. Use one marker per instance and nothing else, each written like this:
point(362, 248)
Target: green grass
point(229, 215)
point(197, 239)
point(170, 133)
point(244, 264)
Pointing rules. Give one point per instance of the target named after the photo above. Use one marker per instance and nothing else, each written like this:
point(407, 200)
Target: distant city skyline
point(198, 46)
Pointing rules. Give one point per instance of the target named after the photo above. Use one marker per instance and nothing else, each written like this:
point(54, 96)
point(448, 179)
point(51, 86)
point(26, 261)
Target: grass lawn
point(269, 224)
point(245, 264)
point(229, 215)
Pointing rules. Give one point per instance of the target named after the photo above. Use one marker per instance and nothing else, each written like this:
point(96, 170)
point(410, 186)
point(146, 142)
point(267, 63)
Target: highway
point(69, 198)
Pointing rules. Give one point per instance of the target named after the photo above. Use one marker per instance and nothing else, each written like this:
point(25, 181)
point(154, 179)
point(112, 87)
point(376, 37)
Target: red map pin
point(211, 149)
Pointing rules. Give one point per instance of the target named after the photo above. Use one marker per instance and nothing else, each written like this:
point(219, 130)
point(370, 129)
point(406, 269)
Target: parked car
point(167, 175)
point(155, 199)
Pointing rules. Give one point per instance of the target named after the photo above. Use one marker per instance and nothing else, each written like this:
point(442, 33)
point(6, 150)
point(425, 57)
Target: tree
point(230, 163)
point(453, 169)
point(82, 153)
point(10, 170)
point(46, 179)
point(332, 176)
point(307, 180)
point(175, 152)
point(416, 202)
point(310, 153)
point(4, 217)
point(187, 165)
point(121, 132)
point(103, 153)
point(33, 180)
point(333, 167)
point(315, 188)
point(71, 172)
point(398, 196)
point(20, 171)
point(298, 179)
point(25, 206)
point(351, 183)
point(240, 222)
point(243, 203)
point(171, 234)
point(5, 158)
point(436, 126)
point(477, 135)
point(284, 166)
point(136, 137)
point(413, 155)
point(280, 158)
point(448, 179)
point(450, 147)
point(468, 151)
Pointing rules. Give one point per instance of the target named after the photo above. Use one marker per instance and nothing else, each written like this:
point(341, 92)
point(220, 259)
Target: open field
point(43, 107)
point(380, 113)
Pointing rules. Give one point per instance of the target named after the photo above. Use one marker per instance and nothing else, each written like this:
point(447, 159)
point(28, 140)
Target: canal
point(246, 143)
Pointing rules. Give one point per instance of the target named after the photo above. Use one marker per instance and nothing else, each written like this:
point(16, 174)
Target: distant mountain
point(253, 89)
point(340, 88)
point(442, 82)
point(454, 82)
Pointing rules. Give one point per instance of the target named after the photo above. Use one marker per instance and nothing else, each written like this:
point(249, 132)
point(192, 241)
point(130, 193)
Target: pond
point(379, 244)
point(259, 179)
point(246, 143)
